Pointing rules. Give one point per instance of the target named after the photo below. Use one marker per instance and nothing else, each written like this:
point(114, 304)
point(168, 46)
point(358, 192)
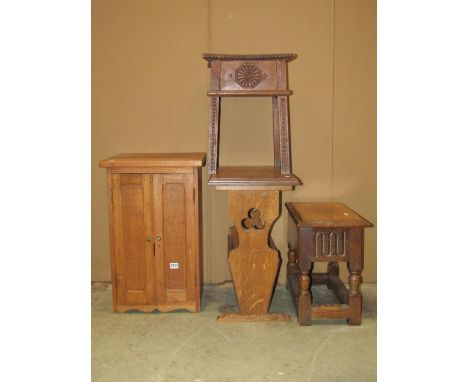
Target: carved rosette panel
point(248, 75)
point(330, 243)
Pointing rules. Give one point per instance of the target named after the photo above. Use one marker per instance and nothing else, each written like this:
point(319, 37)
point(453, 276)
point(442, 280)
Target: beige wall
point(149, 95)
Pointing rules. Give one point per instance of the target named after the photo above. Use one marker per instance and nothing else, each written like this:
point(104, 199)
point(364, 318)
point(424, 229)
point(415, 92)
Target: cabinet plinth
point(154, 227)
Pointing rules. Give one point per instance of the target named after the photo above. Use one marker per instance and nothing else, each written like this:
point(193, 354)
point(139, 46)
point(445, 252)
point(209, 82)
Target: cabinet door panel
point(175, 228)
point(132, 210)
point(174, 224)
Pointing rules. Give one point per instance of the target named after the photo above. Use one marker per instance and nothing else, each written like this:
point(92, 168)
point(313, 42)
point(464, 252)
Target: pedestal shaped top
point(253, 178)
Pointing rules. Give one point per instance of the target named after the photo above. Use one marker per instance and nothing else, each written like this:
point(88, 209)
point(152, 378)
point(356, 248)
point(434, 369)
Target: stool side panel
point(306, 246)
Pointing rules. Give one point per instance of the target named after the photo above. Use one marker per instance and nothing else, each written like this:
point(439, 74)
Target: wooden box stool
point(325, 232)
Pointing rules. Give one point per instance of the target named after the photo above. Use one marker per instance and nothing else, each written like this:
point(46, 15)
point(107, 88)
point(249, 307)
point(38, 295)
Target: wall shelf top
point(249, 57)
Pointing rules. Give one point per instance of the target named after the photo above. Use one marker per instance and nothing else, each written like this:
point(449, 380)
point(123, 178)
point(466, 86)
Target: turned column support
point(292, 266)
point(254, 262)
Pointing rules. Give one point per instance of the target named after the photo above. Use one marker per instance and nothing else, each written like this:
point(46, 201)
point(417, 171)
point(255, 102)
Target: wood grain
point(132, 224)
point(173, 239)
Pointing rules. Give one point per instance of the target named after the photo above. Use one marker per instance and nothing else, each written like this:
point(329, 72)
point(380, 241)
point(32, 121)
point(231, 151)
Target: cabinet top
point(155, 160)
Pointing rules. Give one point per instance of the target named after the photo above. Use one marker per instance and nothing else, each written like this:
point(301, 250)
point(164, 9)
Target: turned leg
point(333, 269)
point(304, 297)
point(355, 297)
point(355, 279)
point(292, 268)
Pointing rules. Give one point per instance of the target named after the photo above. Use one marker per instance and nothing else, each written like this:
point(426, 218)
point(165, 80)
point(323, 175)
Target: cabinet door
point(174, 227)
point(133, 241)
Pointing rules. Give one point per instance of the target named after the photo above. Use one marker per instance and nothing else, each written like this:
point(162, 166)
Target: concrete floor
point(180, 346)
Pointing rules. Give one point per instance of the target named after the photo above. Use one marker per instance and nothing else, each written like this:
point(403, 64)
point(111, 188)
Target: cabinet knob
point(148, 238)
point(158, 238)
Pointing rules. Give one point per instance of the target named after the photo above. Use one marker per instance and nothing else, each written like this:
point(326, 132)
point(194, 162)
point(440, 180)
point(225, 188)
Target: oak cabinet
point(154, 220)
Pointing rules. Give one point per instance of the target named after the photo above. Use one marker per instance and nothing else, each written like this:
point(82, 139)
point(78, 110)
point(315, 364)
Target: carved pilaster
point(285, 151)
point(213, 136)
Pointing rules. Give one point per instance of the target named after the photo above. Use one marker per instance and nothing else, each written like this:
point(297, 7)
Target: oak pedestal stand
point(254, 191)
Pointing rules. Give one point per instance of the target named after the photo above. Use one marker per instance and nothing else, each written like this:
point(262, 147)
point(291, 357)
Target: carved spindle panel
point(213, 136)
point(285, 151)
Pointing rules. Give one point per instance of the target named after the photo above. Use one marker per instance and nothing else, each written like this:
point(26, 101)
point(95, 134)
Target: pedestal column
point(253, 260)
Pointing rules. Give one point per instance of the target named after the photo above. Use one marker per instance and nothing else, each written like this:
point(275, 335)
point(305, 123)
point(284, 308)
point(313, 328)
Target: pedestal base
point(237, 317)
